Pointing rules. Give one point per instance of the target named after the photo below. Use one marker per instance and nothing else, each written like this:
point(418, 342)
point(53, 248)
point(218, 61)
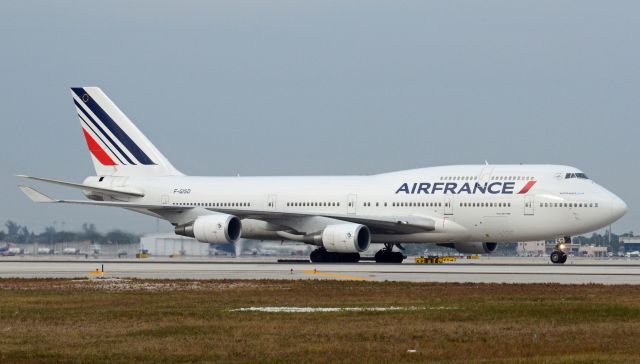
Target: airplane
point(633, 254)
point(470, 208)
point(5, 249)
point(10, 250)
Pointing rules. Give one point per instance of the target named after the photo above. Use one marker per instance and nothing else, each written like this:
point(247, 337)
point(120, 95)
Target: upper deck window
point(576, 175)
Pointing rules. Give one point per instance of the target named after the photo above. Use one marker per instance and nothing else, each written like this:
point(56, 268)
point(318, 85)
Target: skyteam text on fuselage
point(470, 208)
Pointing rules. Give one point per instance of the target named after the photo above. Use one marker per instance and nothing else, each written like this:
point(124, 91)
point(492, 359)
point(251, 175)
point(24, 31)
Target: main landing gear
point(387, 255)
point(321, 255)
point(558, 256)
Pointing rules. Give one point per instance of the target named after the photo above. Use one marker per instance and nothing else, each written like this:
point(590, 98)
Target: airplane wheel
point(558, 257)
point(317, 256)
point(379, 257)
point(351, 258)
point(321, 255)
point(388, 256)
point(398, 257)
point(563, 258)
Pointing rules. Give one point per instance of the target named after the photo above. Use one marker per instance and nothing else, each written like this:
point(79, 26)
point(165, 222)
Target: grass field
point(136, 321)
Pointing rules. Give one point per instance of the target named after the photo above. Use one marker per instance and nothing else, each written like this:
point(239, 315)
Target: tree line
point(16, 233)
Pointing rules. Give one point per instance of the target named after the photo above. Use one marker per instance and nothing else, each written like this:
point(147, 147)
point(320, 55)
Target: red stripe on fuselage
point(527, 187)
point(97, 151)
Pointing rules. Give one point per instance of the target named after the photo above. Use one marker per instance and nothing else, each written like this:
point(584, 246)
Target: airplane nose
point(618, 208)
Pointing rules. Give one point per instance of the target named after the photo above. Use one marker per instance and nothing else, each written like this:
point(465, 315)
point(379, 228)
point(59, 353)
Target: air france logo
point(453, 188)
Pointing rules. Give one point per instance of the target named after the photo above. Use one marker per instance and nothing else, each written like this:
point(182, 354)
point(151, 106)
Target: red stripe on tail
point(97, 151)
point(527, 187)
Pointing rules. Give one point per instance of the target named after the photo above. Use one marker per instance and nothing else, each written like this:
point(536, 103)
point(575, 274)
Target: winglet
point(34, 195)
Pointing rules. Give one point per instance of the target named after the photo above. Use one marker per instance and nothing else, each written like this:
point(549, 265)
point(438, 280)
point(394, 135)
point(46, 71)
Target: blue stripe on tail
point(99, 137)
point(86, 114)
point(113, 126)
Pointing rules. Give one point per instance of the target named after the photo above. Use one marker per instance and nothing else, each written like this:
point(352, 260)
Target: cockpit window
point(576, 175)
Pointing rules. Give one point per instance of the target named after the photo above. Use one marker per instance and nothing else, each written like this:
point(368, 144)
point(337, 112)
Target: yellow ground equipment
point(435, 260)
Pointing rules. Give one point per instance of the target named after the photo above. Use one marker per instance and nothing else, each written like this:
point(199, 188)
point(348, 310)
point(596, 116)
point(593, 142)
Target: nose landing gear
point(558, 256)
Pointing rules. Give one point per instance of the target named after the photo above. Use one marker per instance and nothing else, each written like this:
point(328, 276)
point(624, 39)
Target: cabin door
point(528, 205)
point(271, 202)
point(448, 206)
point(352, 201)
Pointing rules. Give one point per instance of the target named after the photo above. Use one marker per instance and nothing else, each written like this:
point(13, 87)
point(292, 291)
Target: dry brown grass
point(191, 321)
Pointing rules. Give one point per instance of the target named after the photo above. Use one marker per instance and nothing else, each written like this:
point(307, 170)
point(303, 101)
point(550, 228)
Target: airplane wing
point(394, 224)
point(80, 186)
point(386, 224)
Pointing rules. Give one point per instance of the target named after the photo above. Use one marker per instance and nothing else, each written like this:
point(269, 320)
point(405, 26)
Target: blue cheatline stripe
point(113, 127)
point(102, 131)
point(98, 135)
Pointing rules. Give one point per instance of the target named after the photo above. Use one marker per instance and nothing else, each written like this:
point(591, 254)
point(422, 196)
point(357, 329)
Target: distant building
point(593, 251)
point(630, 243)
point(171, 244)
point(531, 248)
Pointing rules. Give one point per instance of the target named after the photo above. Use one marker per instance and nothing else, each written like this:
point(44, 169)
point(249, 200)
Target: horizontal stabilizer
point(127, 192)
point(34, 195)
point(37, 196)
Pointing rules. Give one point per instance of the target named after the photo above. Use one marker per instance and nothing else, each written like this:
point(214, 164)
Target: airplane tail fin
point(117, 146)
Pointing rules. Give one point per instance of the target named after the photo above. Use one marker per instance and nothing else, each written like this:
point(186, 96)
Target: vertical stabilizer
point(117, 146)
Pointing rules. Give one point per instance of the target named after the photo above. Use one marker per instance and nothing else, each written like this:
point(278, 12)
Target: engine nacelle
point(472, 248)
point(217, 229)
point(346, 238)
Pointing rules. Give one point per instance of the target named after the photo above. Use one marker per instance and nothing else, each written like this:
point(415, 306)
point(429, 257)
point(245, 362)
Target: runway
point(492, 271)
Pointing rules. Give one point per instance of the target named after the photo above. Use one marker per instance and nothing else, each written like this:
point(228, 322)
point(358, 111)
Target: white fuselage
point(500, 203)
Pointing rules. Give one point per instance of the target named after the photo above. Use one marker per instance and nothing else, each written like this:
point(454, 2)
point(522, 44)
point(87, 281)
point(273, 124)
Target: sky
point(320, 87)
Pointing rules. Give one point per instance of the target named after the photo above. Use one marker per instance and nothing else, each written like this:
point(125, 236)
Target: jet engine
point(217, 229)
point(346, 238)
point(472, 248)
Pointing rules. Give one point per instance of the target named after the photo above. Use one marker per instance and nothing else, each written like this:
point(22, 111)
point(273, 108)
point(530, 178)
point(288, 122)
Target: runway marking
point(333, 275)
